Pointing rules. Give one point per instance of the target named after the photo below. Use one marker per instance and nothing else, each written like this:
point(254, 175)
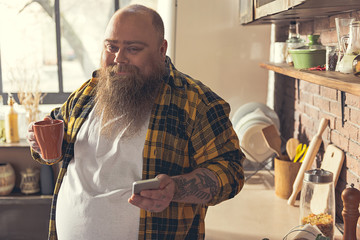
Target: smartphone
point(140, 185)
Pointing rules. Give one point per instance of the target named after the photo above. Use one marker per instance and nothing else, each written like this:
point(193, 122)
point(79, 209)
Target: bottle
point(11, 123)
point(293, 41)
point(2, 120)
point(313, 42)
point(293, 31)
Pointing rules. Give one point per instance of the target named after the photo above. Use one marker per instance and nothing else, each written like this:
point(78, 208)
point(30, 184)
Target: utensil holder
point(285, 174)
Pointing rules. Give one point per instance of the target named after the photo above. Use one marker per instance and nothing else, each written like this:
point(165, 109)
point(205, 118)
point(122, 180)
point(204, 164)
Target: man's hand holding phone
point(153, 195)
point(148, 184)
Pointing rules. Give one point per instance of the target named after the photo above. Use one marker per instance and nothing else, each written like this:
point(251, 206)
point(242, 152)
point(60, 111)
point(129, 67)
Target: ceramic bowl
point(307, 58)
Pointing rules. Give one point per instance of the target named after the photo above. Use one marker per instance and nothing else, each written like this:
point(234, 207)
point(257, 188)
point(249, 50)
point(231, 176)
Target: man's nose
point(120, 57)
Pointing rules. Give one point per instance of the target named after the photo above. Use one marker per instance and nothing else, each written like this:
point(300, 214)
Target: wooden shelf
point(18, 198)
point(348, 83)
point(22, 143)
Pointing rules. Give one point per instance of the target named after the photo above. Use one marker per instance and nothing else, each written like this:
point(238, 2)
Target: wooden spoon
point(291, 146)
point(272, 139)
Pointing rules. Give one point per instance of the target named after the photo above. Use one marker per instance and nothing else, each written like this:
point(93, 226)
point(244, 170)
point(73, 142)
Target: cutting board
point(332, 161)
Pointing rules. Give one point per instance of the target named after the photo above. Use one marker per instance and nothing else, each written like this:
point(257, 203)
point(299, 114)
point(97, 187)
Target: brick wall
point(301, 105)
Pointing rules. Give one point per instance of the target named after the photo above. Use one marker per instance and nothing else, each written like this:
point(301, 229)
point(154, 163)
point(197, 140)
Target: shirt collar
point(172, 76)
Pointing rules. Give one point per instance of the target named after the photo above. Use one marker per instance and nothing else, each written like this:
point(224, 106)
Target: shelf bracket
point(343, 105)
point(298, 89)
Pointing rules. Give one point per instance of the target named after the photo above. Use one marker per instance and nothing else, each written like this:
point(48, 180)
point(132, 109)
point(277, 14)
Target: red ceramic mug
point(49, 136)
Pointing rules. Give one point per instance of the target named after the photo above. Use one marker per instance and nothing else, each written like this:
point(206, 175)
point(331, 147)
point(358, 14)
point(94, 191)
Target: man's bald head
point(137, 9)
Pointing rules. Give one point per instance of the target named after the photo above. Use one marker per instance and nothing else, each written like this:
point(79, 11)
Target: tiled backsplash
point(301, 105)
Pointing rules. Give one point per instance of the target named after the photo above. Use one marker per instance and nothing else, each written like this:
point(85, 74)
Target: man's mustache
point(112, 70)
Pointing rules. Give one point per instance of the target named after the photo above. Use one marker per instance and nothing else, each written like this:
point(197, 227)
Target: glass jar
point(331, 57)
point(317, 201)
point(342, 31)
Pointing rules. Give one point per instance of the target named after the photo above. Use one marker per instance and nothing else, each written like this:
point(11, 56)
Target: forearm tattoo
point(202, 187)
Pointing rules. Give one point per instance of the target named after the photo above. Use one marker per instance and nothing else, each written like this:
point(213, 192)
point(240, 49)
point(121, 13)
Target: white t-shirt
point(93, 198)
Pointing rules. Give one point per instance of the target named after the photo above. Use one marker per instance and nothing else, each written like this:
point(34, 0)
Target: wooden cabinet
point(246, 11)
point(284, 11)
point(267, 7)
point(251, 10)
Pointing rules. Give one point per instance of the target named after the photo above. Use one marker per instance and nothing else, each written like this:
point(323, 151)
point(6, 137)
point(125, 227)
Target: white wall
point(212, 46)
point(167, 11)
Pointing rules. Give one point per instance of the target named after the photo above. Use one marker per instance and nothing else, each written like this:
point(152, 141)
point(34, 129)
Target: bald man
point(138, 117)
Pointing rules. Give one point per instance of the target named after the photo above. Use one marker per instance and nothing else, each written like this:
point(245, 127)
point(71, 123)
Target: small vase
point(30, 181)
point(7, 178)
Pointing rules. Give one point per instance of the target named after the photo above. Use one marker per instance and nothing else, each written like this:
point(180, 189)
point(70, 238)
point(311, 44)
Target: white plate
point(252, 106)
point(256, 115)
point(248, 128)
point(253, 143)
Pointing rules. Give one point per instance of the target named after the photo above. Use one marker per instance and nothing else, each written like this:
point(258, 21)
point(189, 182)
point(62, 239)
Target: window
point(82, 29)
point(28, 47)
point(52, 46)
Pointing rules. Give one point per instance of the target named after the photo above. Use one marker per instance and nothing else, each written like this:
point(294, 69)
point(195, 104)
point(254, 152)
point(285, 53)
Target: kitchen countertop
point(255, 213)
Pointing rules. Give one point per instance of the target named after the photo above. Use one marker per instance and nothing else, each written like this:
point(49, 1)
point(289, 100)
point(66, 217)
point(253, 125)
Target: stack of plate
point(248, 121)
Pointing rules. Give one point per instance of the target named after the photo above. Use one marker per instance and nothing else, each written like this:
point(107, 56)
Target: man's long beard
point(125, 101)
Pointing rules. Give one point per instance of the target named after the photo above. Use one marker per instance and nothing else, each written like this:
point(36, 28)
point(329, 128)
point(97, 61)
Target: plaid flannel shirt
point(189, 128)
